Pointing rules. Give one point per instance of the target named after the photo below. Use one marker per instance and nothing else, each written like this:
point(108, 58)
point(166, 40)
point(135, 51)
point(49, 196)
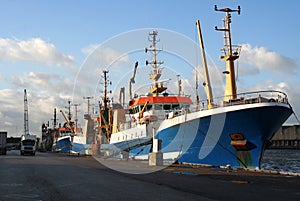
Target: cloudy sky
point(57, 50)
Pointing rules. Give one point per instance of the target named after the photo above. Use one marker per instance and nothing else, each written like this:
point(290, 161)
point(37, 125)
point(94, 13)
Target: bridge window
point(167, 106)
point(158, 107)
point(149, 107)
point(136, 109)
point(186, 107)
point(175, 106)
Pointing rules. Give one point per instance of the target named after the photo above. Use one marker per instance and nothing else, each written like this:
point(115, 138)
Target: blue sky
point(44, 44)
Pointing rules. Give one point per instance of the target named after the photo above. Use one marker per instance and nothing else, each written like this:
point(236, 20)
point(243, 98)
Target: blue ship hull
point(62, 145)
point(82, 149)
point(65, 145)
point(237, 138)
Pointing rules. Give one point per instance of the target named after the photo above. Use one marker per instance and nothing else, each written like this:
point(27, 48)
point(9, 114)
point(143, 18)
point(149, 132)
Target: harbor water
point(283, 160)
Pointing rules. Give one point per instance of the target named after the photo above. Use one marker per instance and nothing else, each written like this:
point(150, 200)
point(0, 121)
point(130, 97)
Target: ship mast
point(88, 98)
point(76, 116)
point(69, 111)
point(105, 98)
point(229, 55)
point(105, 112)
point(156, 73)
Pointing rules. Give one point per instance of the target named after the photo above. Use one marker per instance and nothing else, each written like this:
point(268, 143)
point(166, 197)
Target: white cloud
point(44, 92)
point(263, 58)
point(283, 86)
point(216, 80)
point(104, 55)
point(245, 70)
point(43, 82)
point(33, 50)
point(89, 49)
point(286, 87)
point(89, 80)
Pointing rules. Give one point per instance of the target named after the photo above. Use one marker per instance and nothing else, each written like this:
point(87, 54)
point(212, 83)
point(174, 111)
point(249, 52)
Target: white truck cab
point(28, 144)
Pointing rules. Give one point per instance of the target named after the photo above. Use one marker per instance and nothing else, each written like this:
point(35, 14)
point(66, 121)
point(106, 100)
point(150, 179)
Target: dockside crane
point(26, 125)
point(69, 118)
point(29, 142)
point(132, 81)
point(68, 121)
point(122, 96)
point(206, 83)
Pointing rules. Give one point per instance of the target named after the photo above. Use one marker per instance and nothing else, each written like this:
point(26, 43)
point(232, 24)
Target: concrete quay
point(49, 176)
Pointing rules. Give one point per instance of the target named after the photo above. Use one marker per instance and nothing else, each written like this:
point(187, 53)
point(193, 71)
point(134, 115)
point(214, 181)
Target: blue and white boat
point(234, 130)
point(68, 140)
point(71, 143)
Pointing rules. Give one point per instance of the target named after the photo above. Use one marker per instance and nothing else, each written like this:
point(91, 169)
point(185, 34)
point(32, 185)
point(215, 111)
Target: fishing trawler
point(69, 137)
point(231, 132)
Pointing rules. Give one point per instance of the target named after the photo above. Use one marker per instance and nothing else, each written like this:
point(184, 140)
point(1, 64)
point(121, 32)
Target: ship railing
point(248, 98)
point(165, 94)
point(176, 112)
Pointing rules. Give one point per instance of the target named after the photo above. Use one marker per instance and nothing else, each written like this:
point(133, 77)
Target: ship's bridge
point(160, 103)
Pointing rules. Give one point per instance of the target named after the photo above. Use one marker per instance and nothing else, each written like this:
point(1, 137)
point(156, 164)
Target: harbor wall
point(287, 137)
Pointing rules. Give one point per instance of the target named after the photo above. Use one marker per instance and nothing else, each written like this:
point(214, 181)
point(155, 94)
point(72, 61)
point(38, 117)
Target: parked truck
point(3, 136)
point(28, 144)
